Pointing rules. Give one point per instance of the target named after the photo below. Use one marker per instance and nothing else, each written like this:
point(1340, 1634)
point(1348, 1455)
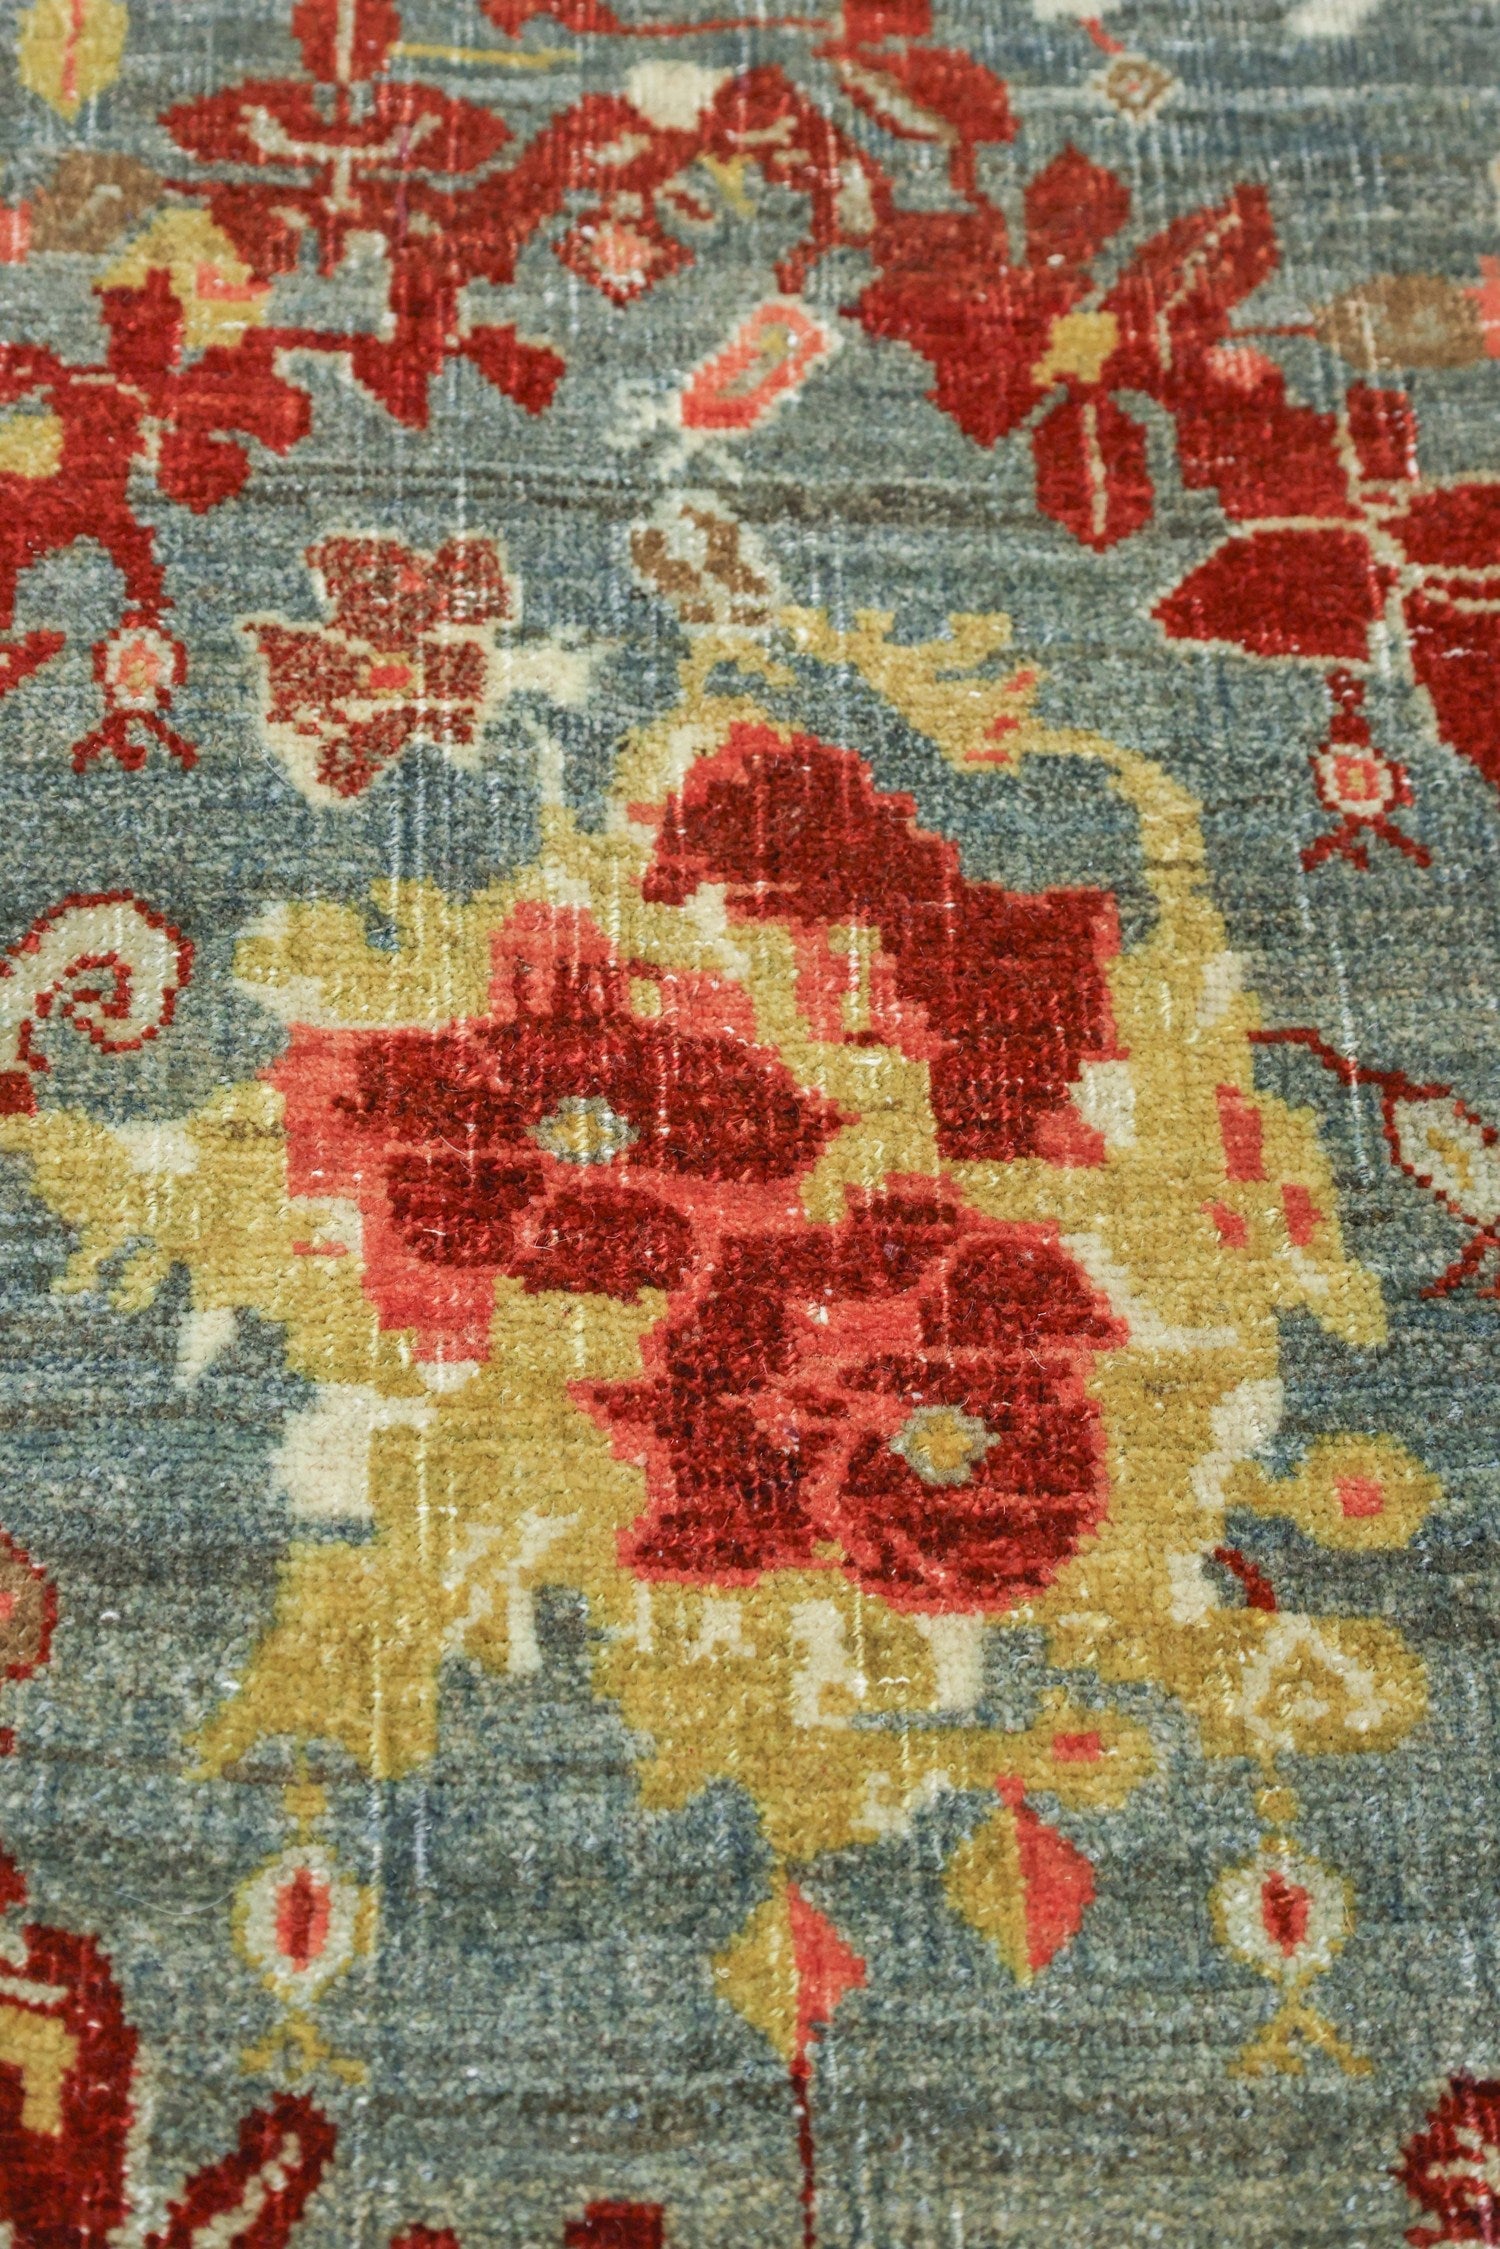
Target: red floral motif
point(901, 1397)
point(1452, 2166)
point(138, 667)
point(1004, 339)
point(68, 2056)
point(563, 1139)
point(1003, 995)
point(1057, 1881)
point(67, 2064)
point(142, 403)
point(1423, 558)
point(346, 152)
point(919, 92)
point(66, 2059)
point(637, 167)
point(622, 249)
point(406, 651)
point(257, 2194)
point(1363, 787)
point(20, 658)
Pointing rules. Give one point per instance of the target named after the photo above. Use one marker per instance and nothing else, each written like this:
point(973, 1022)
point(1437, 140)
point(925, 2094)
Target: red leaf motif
point(20, 658)
point(528, 373)
point(1058, 1884)
point(827, 1968)
point(1383, 425)
point(1281, 593)
point(1262, 455)
point(947, 96)
point(145, 329)
point(239, 389)
point(1173, 300)
point(1073, 207)
point(1447, 2167)
point(946, 289)
point(1456, 656)
point(1456, 528)
point(1091, 470)
point(200, 472)
point(396, 371)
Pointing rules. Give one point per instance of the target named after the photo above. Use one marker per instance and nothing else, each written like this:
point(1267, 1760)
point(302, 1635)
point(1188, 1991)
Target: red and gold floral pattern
point(818, 1259)
point(1004, 337)
point(751, 1220)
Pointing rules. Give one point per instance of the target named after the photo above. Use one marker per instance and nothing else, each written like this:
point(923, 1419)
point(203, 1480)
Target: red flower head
point(347, 153)
point(384, 593)
point(336, 174)
point(1005, 339)
point(565, 1138)
point(901, 1396)
point(146, 400)
point(1316, 589)
point(405, 652)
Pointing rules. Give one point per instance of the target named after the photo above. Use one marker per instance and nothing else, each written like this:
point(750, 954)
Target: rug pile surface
point(749, 1124)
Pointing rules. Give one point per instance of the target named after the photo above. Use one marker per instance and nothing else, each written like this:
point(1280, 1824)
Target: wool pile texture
point(749, 1124)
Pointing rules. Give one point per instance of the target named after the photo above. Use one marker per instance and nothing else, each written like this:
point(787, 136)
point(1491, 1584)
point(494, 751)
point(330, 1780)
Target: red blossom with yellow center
point(563, 1139)
point(902, 1397)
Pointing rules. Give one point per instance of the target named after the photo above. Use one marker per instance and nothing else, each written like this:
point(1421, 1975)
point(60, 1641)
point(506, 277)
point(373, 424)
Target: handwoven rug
point(749, 950)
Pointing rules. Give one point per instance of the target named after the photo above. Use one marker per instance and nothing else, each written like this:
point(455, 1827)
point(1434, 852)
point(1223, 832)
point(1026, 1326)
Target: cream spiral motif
point(107, 963)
